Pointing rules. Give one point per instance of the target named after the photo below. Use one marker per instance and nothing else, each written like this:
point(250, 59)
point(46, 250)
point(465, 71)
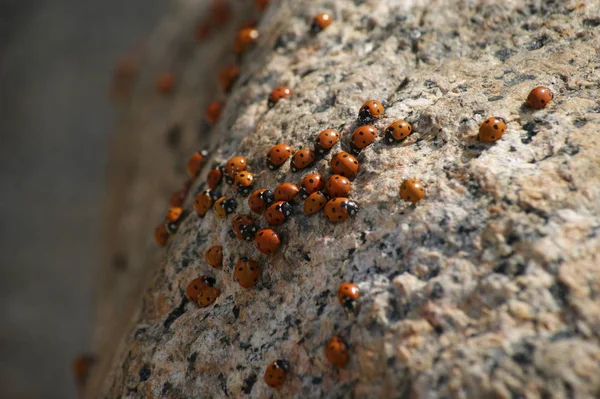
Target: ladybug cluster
point(329, 194)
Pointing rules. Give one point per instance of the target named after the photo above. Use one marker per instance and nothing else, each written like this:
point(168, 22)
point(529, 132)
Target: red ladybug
point(302, 159)
point(178, 198)
point(205, 200)
point(213, 112)
point(234, 166)
point(277, 94)
point(161, 235)
point(278, 213)
point(320, 22)
point(277, 155)
point(348, 294)
point(243, 183)
point(326, 140)
point(207, 296)
point(314, 203)
point(338, 186)
point(371, 110)
point(338, 209)
point(311, 183)
point(411, 190)
point(397, 131)
point(228, 76)
point(275, 373)
point(260, 200)
point(267, 241)
point(214, 177)
point(214, 256)
point(173, 214)
point(336, 352)
point(539, 97)
point(196, 162)
point(245, 38)
point(196, 285)
point(247, 272)
point(286, 192)
point(165, 83)
point(492, 129)
point(239, 222)
point(344, 164)
point(362, 137)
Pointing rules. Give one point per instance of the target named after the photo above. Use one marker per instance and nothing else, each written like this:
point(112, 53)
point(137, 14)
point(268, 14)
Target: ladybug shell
point(173, 214)
point(314, 203)
point(338, 186)
point(398, 130)
point(277, 155)
point(492, 129)
point(267, 241)
point(363, 136)
point(224, 206)
point(247, 272)
point(207, 296)
point(344, 164)
point(278, 213)
point(539, 97)
point(412, 191)
point(213, 112)
point(204, 200)
point(320, 22)
point(196, 162)
point(277, 94)
point(235, 165)
point(239, 222)
point(286, 192)
point(348, 293)
point(370, 110)
point(336, 352)
point(338, 209)
point(214, 256)
point(161, 235)
point(302, 159)
point(193, 288)
point(260, 200)
point(275, 373)
point(311, 184)
point(243, 182)
point(228, 76)
point(326, 140)
point(244, 39)
point(214, 177)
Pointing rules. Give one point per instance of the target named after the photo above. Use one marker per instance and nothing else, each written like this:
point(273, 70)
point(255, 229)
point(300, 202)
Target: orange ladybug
point(286, 192)
point(173, 214)
point(336, 352)
point(224, 206)
point(260, 200)
point(314, 203)
point(348, 294)
point(239, 222)
point(278, 213)
point(320, 22)
point(213, 112)
point(311, 183)
point(371, 110)
point(207, 296)
point(205, 200)
point(539, 97)
point(178, 198)
point(195, 163)
point(214, 177)
point(492, 129)
point(338, 186)
point(326, 140)
point(234, 166)
point(161, 235)
point(338, 209)
point(276, 372)
point(245, 38)
point(277, 94)
point(344, 164)
point(228, 76)
point(302, 159)
point(247, 272)
point(214, 256)
point(277, 155)
point(362, 137)
point(165, 83)
point(397, 131)
point(243, 183)
point(267, 241)
point(196, 285)
point(412, 191)
point(81, 367)
point(261, 5)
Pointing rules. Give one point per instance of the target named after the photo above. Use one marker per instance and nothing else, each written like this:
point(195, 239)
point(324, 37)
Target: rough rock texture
point(490, 287)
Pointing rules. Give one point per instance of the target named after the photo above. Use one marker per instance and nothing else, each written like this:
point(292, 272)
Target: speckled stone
point(487, 288)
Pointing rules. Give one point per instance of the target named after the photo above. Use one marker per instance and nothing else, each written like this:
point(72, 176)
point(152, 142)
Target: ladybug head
point(351, 207)
point(282, 364)
point(208, 281)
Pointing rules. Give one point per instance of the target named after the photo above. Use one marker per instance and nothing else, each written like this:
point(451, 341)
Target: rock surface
point(489, 287)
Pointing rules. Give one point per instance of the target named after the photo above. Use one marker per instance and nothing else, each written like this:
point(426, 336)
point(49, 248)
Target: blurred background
point(56, 63)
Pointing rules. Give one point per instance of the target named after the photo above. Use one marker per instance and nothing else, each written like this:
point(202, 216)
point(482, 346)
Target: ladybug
point(277, 94)
point(362, 137)
point(397, 131)
point(261, 5)
point(348, 294)
point(276, 372)
point(224, 206)
point(165, 83)
point(314, 203)
point(320, 22)
point(196, 162)
point(370, 110)
point(213, 112)
point(207, 296)
point(214, 256)
point(286, 192)
point(344, 164)
point(234, 166)
point(161, 235)
point(173, 214)
point(81, 368)
point(412, 191)
point(278, 213)
point(204, 200)
point(277, 155)
point(338, 209)
point(243, 183)
point(267, 241)
point(247, 272)
point(336, 351)
point(214, 177)
point(239, 222)
point(177, 198)
point(228, 76)
point(311, 183)
point(302, 159)
point(492, 129)
point(196, 285)
point(326, 140)
point(539, 97)
point(260, 200)
point(244, 39)
point(338, 186)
